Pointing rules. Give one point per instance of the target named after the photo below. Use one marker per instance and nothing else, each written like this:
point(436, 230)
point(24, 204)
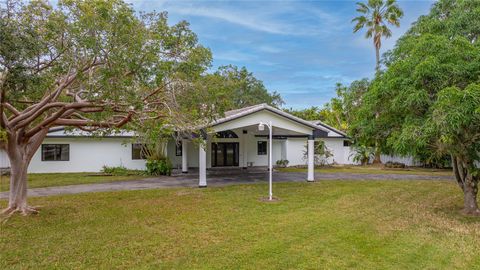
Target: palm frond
point(362, 8)
point(386, 32)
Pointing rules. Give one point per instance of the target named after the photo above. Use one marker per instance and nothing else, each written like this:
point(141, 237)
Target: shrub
point(120, 171)
point(159, 167)
point(115, 170)
point(321, 153)
point(392, 164)
point(282, 163)
point(362, 154)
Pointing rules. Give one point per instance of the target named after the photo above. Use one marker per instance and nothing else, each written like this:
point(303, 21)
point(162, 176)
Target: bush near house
point(120, 171)
point(362, 154)
point(159, 167)
point(282, 163)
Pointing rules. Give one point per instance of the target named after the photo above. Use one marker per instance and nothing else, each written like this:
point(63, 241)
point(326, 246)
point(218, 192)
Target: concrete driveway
point(216, 178)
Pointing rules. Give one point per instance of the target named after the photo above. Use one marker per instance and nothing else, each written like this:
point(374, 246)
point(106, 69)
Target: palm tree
point(375, 16)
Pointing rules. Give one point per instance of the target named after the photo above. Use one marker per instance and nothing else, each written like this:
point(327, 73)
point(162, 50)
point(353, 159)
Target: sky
point(300, 49)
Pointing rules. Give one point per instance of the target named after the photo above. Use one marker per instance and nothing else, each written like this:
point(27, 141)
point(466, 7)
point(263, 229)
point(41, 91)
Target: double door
point(225, 154)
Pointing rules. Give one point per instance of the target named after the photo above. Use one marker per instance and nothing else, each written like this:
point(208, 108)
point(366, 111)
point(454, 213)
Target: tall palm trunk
point(377, 58)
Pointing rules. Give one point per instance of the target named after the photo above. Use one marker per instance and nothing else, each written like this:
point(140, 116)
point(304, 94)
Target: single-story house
point(234, 141)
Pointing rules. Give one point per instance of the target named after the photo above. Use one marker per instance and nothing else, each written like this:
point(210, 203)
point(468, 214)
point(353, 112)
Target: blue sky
point(300, 49)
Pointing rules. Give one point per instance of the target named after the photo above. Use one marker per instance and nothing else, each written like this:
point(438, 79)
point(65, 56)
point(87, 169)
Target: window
point(178, 149)
point(55, 152)
point(228, 134)
point(262, 148)
point(346, 143)
point(138, 151)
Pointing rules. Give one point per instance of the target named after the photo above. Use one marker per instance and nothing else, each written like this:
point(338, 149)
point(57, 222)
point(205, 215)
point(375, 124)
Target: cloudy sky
point(299, 48)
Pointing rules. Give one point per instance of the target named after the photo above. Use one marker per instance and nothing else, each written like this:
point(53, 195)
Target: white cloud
point(263, 16)
point(235, 17)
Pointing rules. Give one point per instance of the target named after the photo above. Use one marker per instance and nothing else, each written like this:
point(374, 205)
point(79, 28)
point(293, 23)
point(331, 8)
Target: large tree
point(242, 88)
point(91, 65)
point(429, 95)
point(340, 111)
point(375, 15)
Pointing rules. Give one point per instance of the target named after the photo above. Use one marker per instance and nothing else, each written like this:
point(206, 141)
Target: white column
point(311, 168)
point(245, 147)
point(184, 156)
point(202, 166)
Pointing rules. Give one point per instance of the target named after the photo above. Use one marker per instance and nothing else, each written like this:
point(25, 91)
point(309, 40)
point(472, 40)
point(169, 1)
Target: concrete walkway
point(216, 178)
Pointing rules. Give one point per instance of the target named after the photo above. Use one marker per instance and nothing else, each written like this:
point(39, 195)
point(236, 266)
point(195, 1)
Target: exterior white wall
point(340, 152)
point(295, 149)
point(4, 161)
point(88, 155)
point(91, 154)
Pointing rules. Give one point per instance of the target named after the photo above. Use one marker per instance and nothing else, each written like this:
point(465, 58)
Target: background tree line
point(424, 100)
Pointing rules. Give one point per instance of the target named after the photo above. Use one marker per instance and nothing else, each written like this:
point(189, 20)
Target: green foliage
point(125, 65)
point(120, 171)
point(375, 15)
point(321, 153)
point(242, 89)
point(426, 103)
point(282, 163)
point(362, 154)
point(159, 167)
point(341, 110)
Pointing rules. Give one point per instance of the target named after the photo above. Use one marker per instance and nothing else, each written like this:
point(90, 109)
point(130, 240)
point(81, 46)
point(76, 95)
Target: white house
point(233, 141)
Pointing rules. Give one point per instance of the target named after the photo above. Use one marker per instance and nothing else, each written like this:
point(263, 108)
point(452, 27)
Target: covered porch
point(236, 142)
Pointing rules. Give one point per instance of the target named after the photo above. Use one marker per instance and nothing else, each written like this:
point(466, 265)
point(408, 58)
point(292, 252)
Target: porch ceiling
point(253, 129)
point(281, 125)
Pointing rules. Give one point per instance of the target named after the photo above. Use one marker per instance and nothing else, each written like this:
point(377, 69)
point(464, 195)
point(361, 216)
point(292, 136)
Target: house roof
point(320, 123)
point(60, 132)
point(234, 114)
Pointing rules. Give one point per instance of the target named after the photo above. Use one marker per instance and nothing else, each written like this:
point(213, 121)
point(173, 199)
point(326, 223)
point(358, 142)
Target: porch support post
point(184, 156)
point(244, 147)
point(202, 162)
point(310, 150)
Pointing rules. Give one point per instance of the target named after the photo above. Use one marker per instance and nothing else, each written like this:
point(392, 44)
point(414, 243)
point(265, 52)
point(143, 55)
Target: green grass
point(322, 225)
point(373, 170)
point(36, 180)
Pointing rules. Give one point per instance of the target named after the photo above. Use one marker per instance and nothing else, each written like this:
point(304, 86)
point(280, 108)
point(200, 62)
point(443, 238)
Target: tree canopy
point(340, 110)
point(96, 66)
point(242, 89)
point(427, 99)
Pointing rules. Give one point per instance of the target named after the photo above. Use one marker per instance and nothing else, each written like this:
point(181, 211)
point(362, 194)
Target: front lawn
point(372, 170)
point(327, 224)
point(36, 180)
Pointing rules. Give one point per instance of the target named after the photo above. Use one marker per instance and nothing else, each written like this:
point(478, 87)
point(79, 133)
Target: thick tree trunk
point(468, 183)
point(18, 185)
point(470, 190)
point(20, 154)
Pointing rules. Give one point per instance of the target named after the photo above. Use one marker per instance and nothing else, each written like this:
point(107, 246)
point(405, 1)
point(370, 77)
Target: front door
point(224, 154)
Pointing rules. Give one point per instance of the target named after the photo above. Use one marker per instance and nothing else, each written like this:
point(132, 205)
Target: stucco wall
point(295, 148)
point(88, 155)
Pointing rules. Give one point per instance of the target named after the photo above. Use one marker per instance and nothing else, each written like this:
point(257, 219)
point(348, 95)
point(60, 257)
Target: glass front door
point(224, 154)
